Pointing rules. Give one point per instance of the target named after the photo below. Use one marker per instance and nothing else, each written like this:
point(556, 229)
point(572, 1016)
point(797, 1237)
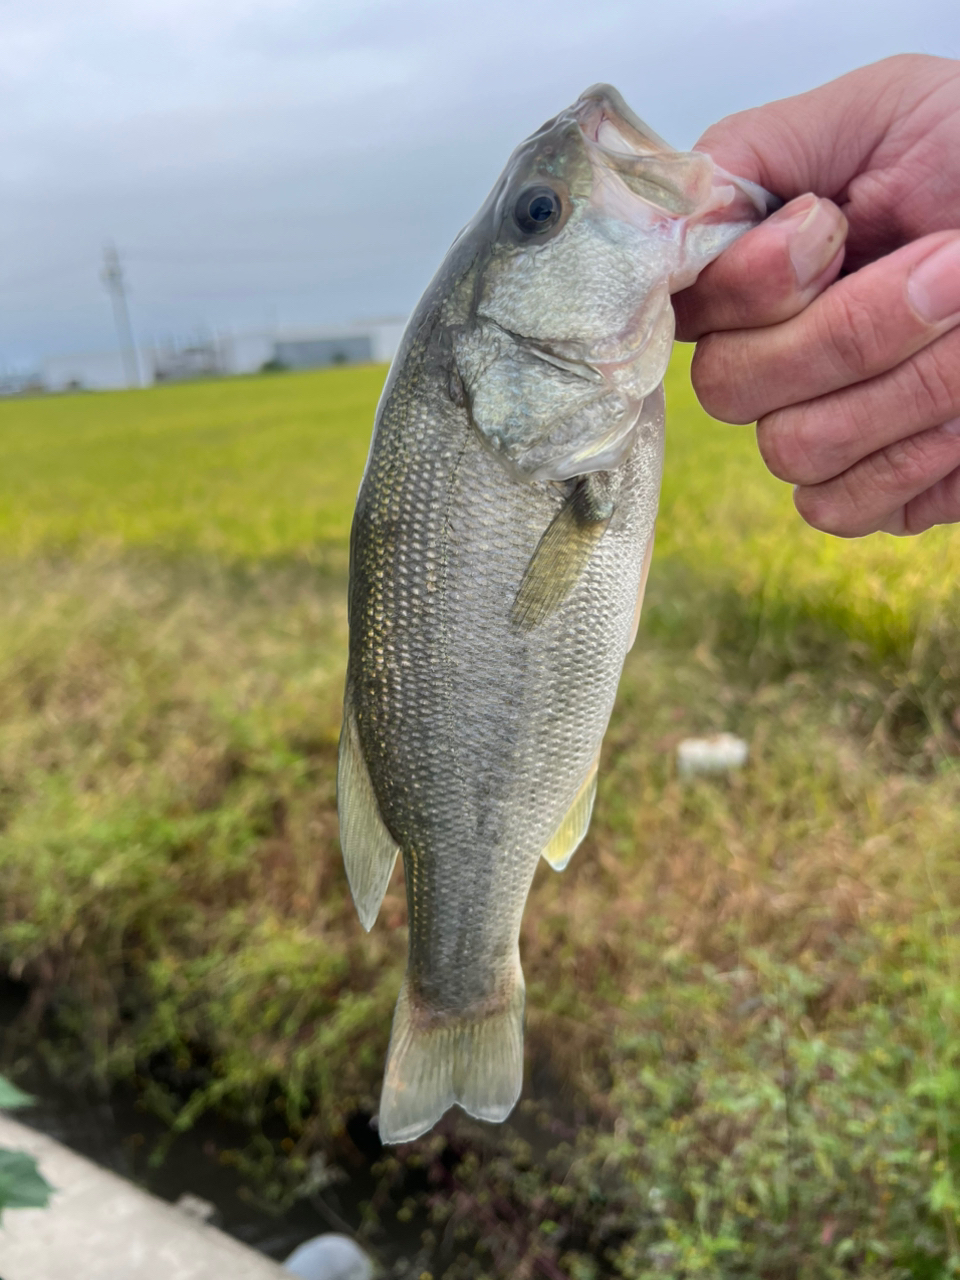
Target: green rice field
point(743, 1027)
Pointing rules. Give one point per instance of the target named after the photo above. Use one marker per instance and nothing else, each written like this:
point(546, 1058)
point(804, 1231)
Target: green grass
point(743, 1035)
point(722, 513)
point(250, 467)
point(257, 468)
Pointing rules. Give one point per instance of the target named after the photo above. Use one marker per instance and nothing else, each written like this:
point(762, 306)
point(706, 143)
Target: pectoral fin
point(565, 549)
point(573, 828)
point(369, 850)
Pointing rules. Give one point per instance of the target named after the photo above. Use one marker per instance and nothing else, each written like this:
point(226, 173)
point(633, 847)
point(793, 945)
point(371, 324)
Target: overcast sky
point(296, 162)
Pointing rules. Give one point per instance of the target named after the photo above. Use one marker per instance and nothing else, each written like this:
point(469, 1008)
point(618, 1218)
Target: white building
point(86, 370)
point(235, 353)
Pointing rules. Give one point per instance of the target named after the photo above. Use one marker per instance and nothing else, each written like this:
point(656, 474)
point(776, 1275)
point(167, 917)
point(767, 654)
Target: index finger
point(819, 140)
point(825, 139)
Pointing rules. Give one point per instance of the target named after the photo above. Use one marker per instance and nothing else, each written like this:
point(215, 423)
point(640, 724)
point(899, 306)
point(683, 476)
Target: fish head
point(594, 222)
point(683, 202)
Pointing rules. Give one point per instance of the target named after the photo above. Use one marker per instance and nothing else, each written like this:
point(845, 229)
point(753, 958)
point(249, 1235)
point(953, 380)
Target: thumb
point(820, 140)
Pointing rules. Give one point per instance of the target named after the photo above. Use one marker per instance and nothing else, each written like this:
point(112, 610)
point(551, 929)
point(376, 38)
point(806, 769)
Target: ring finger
point(814, 441)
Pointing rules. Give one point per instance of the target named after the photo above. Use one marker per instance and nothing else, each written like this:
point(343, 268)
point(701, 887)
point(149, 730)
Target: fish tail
point(475, 1061)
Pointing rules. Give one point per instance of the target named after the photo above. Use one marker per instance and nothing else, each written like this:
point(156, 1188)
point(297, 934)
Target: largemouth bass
point(500, 546)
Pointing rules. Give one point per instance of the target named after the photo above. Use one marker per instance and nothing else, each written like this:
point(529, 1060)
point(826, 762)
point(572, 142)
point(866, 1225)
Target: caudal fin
point(476, 1062)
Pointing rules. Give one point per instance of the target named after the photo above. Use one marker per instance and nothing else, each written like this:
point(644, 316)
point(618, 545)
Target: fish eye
point(537, 210)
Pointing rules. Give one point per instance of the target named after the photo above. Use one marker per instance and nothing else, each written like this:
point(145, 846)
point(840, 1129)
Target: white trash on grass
point(196, 1207)
point(720, 753)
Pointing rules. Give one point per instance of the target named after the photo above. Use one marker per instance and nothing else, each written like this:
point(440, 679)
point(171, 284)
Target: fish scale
point(472, 725)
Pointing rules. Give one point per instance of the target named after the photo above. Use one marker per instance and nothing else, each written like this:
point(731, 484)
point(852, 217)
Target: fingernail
point(952, 428)
point(795, 210)
point(813, 244)
point(933, 286)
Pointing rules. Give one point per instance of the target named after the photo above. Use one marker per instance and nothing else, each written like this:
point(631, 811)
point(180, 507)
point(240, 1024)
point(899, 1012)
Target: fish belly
point(478, 735)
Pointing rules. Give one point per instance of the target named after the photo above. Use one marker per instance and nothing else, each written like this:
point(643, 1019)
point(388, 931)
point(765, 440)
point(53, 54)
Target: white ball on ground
point(329, 1257)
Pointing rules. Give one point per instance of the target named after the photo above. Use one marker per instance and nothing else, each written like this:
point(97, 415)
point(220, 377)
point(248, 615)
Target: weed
point(743, 1039)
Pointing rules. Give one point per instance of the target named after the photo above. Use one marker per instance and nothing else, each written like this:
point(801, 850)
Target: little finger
point(940, 504)
point(864, 499)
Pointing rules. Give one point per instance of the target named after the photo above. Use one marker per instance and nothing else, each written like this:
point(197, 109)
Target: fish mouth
point(607, 122)
point(679, 184)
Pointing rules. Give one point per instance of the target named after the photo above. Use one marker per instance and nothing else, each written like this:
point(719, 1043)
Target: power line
point(112, 277)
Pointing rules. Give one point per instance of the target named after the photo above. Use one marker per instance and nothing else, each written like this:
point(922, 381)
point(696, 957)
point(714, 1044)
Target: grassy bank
point(744, 1057)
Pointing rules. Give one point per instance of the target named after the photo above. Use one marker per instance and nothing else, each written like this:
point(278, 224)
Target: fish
point(499, 552)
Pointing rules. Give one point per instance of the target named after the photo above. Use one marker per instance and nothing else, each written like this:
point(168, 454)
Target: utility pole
point(112, 277)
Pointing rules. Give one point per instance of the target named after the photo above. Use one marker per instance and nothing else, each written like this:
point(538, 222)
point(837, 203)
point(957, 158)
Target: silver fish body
point(498, 555)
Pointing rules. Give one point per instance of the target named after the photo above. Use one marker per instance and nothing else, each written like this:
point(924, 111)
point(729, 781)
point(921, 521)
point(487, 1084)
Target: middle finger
point(861, 326)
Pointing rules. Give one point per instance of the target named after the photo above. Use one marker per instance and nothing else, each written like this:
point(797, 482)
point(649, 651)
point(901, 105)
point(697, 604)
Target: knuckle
point(828, 512)
point(908, 64)
point(933, 381)
point(915, 519)
point(717, 378)
point(792, 444)
point(851, 331)
point(773, 446)
point(901, 467)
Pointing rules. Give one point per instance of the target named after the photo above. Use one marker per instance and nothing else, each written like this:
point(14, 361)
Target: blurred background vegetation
point(743, 994)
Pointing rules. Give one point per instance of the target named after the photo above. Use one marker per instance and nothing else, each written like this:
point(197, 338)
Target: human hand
point(854, 380)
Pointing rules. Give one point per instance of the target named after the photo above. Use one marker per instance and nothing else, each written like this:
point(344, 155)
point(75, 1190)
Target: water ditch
point(381, 1198)
point(112, 1127)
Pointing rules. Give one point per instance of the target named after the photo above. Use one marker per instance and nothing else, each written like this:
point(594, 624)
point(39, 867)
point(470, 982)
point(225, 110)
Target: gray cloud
point(311, 161)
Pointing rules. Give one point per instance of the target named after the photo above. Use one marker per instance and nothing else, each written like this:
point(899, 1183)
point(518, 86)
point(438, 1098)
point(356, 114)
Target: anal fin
point(474, 1061)
point(563, 843)
point(369, 850)
point(564, 550)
